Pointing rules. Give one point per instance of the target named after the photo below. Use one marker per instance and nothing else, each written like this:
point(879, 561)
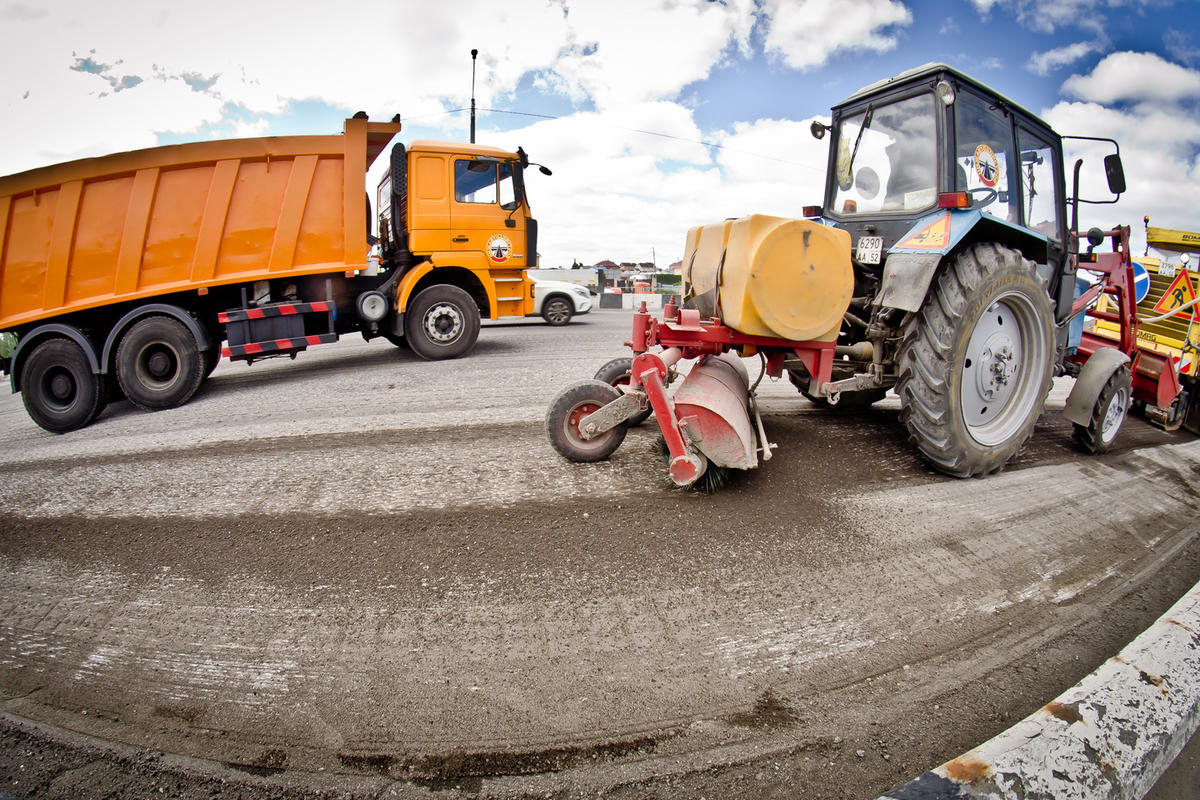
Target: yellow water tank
point(770, 276)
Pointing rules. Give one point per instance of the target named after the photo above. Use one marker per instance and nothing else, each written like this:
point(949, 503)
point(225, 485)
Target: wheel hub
point(61, 386)
point(996, 374)
point(1115, 415)
point(159, 365)
point(443, 323)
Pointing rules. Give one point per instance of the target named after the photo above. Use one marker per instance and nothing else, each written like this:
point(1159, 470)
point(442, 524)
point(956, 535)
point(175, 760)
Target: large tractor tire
point(58, 387)
point(442, 322)
point(975, 363)
point(158, 364)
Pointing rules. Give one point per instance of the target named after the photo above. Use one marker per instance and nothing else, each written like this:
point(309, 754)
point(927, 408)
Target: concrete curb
point(1111, 736)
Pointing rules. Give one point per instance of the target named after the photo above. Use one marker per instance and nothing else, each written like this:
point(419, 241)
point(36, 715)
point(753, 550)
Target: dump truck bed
point(134, 225)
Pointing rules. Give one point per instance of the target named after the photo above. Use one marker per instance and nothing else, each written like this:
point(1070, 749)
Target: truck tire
point(1109, 414)
point(442, 322)
point(975, 362)
point(60, 391)
point(557, 310)
point(158, 364)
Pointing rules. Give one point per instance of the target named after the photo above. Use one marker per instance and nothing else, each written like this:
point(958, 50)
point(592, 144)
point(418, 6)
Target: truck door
point(485, 215)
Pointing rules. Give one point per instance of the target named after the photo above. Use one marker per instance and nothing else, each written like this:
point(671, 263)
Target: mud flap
point(1090, 382)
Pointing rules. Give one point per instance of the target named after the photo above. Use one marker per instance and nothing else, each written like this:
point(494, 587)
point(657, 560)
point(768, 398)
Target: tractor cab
point(931, 160)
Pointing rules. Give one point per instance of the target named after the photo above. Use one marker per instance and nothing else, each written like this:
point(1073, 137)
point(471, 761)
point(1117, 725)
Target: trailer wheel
point(557, 311)
point(158, 364)
point(442, 322)
point(618, 372)
point(60, 391)
point(975, 362)
point(1108, 415)
point(570, 406)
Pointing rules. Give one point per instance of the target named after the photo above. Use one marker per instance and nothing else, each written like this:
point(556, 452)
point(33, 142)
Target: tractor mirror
point(817, 129)
point(1115, 173)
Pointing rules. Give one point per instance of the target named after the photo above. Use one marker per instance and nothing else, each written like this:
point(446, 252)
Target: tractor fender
point(1090, 382)
point(913, 261)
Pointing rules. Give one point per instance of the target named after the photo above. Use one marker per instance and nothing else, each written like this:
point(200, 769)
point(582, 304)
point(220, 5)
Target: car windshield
point(887, 158)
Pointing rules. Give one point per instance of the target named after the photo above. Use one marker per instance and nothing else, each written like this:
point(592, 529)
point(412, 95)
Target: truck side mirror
point(1115, 173)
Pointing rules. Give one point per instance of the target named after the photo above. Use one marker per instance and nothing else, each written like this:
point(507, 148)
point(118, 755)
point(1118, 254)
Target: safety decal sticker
point(499, 248)
point(935, 236)
point(987, 166)
point(1179, 293)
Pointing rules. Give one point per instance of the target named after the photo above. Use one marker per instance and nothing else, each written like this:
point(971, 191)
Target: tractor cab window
point(887, 158)
point(484, 182)
point(1039, 190)
point(983, 155)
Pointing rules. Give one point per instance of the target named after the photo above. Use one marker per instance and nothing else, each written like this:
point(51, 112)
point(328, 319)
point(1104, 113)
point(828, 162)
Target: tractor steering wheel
point(988, 197)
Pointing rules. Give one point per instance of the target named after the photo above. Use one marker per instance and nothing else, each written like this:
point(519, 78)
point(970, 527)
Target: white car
point(558, 301)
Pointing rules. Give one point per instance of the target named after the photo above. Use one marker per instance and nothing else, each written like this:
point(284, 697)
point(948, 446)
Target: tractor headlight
point(372, 306)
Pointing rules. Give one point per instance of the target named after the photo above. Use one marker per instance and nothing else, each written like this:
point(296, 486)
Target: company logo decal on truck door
point(499, 248)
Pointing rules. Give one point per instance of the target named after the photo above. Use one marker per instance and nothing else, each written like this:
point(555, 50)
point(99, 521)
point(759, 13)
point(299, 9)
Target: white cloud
point(629, 51)
point(1124, 77)
point(617, 193)
point(1050, 60)
point(808, 33)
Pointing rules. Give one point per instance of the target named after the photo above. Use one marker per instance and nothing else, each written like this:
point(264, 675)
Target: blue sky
point(593, 80)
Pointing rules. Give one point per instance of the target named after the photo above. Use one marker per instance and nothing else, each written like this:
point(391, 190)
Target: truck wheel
point(60, 391)
point(975, 362)
point(158, 364)
point(442, 322)
point(617, 373)
point(557, 311)
point(1109, 413)
point(569, 407)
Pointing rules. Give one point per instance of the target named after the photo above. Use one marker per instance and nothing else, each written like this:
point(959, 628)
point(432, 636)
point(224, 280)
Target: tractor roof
point(928, 71)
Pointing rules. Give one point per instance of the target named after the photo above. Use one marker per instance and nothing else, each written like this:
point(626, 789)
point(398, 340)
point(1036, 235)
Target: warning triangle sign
point(934, 236)
point(1180, 292)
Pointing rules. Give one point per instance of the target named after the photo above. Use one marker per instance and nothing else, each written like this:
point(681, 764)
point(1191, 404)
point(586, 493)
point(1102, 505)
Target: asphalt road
point(362, 574)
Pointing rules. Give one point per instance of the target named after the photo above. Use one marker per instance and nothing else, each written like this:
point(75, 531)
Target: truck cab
point(454, 216)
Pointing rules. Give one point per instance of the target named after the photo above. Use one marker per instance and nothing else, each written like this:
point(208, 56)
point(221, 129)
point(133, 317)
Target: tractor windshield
point(887, 158)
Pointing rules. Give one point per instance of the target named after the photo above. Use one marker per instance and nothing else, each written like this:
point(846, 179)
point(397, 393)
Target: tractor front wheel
point(1109, 413)
point(975, 362)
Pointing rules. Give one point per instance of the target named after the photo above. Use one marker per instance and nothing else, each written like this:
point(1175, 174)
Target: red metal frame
point(1155, 379)
point(685, 335)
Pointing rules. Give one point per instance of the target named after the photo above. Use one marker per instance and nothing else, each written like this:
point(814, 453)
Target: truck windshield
point(887, 158)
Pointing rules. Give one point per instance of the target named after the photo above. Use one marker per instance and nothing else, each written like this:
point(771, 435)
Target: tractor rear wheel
point(567, 410)
point(1109, 413)
point(975, 362)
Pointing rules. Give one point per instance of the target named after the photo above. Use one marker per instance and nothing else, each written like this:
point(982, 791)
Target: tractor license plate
point(870, 249)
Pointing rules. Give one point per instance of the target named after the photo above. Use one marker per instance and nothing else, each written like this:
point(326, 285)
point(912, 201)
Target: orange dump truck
point(125, 274)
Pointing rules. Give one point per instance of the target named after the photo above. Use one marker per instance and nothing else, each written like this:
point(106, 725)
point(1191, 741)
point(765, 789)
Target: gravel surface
point(366, 575)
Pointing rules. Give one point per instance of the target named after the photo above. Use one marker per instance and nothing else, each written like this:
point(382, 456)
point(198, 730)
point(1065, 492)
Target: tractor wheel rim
point(1002, 364)
point(1115, 415)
